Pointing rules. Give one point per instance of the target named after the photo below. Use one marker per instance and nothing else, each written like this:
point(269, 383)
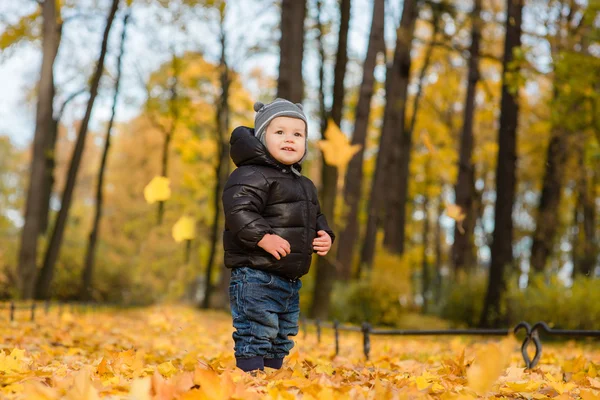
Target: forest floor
point(177, 352)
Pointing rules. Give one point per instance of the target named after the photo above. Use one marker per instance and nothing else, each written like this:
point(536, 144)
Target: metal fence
point(532, 334)
point(12, 310)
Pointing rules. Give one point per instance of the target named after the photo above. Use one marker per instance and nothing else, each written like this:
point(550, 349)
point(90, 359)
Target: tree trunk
point(585, 249)
point(174, 109)
point(354, 175)
point(88, 271)
point(425, 278)
point(35, 208)
point(326, 266)
point(465, 183)
point(437, 293)
point(395, 115)
point(547, 216)
point(45, 278)
point(505, 174)
point(222, 170)
point(290, 84)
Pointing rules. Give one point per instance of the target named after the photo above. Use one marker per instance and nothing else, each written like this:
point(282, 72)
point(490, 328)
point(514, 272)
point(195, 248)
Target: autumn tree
point(392, 141)
point(88, 268)
point(222, 168)
point(465, 184)
point(566, 121)
point(348, 236)
point(42, 288)
point(325, 266)
point(37, 201)
point(290, 84)
point(505, 169)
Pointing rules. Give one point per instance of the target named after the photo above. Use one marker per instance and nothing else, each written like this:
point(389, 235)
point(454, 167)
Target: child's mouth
point(287, 149)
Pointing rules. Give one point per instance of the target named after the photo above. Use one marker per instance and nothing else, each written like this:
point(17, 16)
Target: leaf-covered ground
point(174, 352)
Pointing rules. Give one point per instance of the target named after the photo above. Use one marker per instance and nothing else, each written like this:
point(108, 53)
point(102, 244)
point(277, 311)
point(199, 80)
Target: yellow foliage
point(22, 30)
point(199, 363)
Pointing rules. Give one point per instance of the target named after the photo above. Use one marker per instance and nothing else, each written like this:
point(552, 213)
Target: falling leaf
point(428, 144)
point(157, 190)
point(336, 147)
point(184, 229)
point(456, 213)
point(491, 360)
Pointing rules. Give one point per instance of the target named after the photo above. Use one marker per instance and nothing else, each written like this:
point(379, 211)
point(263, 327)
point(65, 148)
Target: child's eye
point(279, 132)
point(298, 134)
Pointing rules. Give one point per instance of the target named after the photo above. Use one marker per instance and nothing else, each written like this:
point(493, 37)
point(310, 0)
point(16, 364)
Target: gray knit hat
point(265, 113)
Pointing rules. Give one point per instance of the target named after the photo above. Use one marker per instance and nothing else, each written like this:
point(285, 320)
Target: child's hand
point(275, 245)
point(322, 244)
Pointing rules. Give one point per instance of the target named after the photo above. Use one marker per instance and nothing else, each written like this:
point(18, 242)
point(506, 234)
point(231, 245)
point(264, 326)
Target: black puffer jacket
point(264, 196)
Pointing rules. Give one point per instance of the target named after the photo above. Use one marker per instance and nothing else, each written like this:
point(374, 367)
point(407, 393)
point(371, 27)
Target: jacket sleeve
point(322, 223)
point(244, 198)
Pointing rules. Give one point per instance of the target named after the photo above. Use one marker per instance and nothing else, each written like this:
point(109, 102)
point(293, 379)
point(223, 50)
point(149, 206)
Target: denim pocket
point(259, 277)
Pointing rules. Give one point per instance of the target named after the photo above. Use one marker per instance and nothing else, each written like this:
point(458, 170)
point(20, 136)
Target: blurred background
point(455, 145)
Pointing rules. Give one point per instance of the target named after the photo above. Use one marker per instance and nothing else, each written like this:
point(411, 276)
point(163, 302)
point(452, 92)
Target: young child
point(273, 224)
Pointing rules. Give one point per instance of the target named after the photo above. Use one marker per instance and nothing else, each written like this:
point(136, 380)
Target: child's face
point(286, 139)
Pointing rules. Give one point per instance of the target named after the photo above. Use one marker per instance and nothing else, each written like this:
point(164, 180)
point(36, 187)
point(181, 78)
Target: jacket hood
point(246, 149)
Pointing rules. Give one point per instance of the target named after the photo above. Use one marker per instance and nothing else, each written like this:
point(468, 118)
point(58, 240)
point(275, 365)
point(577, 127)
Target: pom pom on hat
point(258, 106)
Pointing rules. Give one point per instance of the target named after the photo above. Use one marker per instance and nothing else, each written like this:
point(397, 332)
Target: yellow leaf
point(184, 229)
point(592, 372)
point(324, 369)
point(167, 369)
point(559, 386)
point(103, 367)
point(523, 386)
point(82, 389)
point(39, 391)
point(422, 383)
point(428, 144)
point(594, 382)
point(157, 190)
point(589, 394)
point(209, 381)
point(574, 365)
point(456, 213)
point(336, 147)
point(438, 388)
point(140, 389)
point(488, 365)
point(13, 362)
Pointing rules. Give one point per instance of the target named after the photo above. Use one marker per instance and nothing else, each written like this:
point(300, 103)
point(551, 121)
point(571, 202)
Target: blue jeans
point(265, 309)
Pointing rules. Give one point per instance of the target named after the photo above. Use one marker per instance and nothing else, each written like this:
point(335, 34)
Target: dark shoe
point(274, 363)
point(250, 364)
